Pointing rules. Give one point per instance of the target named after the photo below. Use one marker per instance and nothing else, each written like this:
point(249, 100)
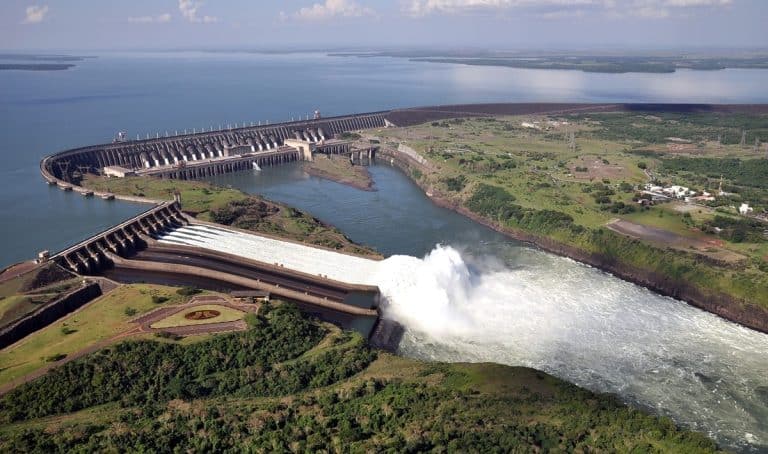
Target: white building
point(117, 171)
point(745, 209)
point(678, 191)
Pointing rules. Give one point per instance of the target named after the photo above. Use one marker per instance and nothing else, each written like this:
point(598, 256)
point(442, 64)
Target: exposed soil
point(711, 248)
point(202, 315)
point(17, 270)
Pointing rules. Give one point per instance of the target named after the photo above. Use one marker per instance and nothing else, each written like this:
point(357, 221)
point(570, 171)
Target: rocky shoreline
point(722, 305)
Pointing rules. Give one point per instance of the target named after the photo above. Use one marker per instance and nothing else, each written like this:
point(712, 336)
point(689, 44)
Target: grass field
point(226, 314)
point(587, 170)
point(543, 171)
point(198, 197)
point(99, 320)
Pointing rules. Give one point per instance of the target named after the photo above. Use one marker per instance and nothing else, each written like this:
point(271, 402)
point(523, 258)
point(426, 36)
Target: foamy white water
point(556, 315)
point(314, 261)
point(589, 328)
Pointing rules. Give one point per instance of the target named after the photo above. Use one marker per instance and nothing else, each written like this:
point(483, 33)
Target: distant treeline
point(586, 63)
point(35, 66)
point(658, 127)
point(743, 172)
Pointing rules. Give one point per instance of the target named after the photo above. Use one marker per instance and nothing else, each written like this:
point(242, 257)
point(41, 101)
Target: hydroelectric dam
point(163, 244)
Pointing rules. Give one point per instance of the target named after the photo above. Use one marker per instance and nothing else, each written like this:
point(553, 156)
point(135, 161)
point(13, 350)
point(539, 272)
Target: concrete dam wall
point(93, 254)
point(266, 143)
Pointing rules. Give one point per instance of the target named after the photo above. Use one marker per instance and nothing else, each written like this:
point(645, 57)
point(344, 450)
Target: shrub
point(129, 311)
point(642, 165)
point(157, 299)
point(491, 200)
point(167, 335)
point(56, 357)
point(602, 199)
point(186, 291)
point(66, 330)
point(455, 184)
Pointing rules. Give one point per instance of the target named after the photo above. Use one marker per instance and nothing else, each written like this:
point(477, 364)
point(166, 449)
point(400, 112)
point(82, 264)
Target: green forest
point(289, 383)
point(743, 172)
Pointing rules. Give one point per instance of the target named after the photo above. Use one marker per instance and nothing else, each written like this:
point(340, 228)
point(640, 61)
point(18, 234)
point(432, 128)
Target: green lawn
point(99, 320)
point(178, 319)
point(196, 196)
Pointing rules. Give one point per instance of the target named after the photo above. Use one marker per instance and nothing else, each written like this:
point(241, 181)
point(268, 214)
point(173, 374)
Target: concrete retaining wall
point(49, 314)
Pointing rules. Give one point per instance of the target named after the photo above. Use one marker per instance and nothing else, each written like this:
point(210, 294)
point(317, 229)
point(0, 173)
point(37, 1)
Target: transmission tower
point(719, 141)
point(572, 141)
point(757, 145)
point(743, 138)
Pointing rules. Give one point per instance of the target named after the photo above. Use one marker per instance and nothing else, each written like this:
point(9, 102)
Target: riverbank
point(729, 307)
point(341, 170)
point(236, 209)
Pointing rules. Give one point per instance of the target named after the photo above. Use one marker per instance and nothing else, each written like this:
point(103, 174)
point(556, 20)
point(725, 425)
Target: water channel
point(466, 293)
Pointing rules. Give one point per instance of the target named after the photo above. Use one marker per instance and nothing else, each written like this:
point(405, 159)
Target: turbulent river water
point(465, 293)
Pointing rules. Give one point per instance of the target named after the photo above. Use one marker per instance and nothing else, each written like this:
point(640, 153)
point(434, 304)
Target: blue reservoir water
point(45, 112)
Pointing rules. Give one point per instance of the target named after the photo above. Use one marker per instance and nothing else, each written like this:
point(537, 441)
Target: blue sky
point(494, 24)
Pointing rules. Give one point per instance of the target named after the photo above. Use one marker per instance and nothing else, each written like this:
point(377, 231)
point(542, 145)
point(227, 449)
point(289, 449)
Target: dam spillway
point(298, 257)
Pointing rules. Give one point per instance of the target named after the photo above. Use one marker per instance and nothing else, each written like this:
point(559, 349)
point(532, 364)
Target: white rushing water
point(310, 260)
point(589, 328)
point(556, 315)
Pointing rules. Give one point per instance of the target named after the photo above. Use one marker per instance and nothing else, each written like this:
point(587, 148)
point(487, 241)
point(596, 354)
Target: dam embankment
point(49, 313)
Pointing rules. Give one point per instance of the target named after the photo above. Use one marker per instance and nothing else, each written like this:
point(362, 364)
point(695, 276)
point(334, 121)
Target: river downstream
point(466, 293)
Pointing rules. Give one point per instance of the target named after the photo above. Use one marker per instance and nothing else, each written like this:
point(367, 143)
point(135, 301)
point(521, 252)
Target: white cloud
point(159, 19)
point(333, 8)
point(561, 8)
point(424, 7)
point(35, 14)
point(189, 9)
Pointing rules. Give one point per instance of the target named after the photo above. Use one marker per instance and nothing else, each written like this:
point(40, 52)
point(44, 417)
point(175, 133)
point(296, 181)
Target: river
point(479, 296)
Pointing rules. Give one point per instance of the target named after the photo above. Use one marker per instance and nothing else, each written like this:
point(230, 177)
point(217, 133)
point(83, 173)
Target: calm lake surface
point(480, 297)
point(45, 112)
